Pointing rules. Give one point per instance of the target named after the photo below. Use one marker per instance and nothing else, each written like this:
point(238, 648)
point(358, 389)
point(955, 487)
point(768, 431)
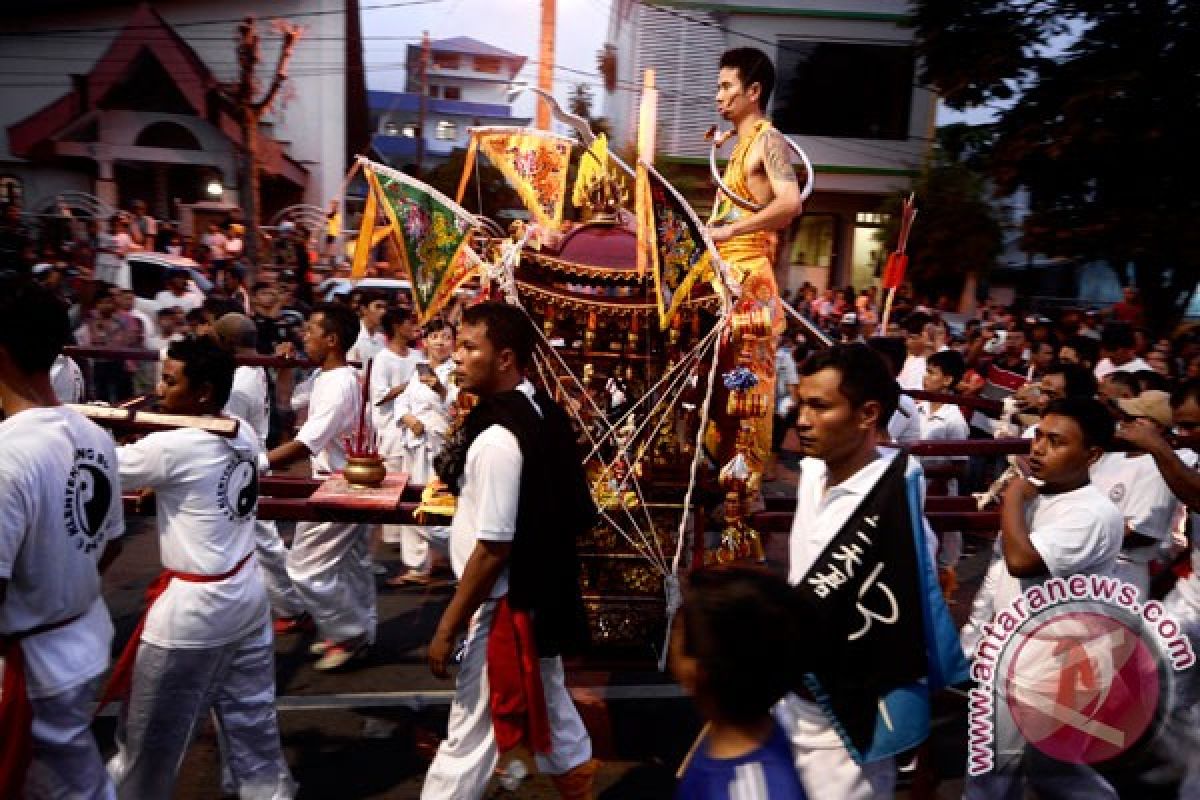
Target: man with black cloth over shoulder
point(523, 501)
point(882, 637)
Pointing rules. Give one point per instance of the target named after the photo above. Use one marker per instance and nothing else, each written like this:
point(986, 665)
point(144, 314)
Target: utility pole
point(546, 63)
point(423, 78)
point(250, 113)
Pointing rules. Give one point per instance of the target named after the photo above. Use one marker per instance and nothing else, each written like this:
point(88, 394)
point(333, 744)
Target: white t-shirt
point(67, 379)
point(417, 451)
point(1105, 366)
point(367, 345)
point(1074, 533)
point(786, 376)
point(945, 424)
point(187, 301)
point(333, 412)
point(487, 504)
point(912, 374)
point(1137, 489)
point(60, 504)
point(109, 263)
point(445, 375)
point(905, 424)
point(388, 371)
point(250, 401)
point(206, 493)
point(1189, 588)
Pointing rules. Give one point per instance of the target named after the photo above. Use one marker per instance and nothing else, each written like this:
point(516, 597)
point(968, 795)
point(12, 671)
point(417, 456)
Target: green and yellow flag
point(431, 231)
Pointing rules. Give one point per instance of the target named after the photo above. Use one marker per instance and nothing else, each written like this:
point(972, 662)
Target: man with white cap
point(1134, 484)
point(1181, 471)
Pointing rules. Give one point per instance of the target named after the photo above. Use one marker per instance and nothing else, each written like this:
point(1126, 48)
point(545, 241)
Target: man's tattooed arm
point(785, 203)
point(777, 160)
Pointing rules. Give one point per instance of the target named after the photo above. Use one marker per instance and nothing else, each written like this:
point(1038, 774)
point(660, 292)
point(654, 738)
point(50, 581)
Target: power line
point(778, 44)
point(214, 21)
point(321, 69)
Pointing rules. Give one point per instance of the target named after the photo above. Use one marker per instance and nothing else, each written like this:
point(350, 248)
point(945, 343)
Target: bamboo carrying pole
point(150, 421)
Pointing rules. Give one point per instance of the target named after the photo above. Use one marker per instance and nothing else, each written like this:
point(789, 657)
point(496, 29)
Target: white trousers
point(172, 692)
point(466, 759)
point(66, 762)
point(1182, 735)
point(272, 557)
point(330, 566)
point(416, 542)
point(826, 768)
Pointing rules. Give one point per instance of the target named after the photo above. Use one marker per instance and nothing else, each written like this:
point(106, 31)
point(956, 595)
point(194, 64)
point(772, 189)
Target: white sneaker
point(338, 655)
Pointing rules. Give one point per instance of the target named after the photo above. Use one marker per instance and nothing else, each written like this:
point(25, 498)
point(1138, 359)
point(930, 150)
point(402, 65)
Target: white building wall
point(684, 47)
point(310, 115)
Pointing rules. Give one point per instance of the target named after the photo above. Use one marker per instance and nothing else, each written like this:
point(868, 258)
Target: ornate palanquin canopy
point(593, 267)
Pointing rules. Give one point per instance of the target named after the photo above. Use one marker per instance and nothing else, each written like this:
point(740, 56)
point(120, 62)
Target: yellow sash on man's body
point(740, 251)
point(751, 259)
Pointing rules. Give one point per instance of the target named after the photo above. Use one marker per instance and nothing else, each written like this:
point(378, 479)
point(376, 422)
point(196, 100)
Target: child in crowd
point(734, 649)
point(943, 372)
point(422, 420)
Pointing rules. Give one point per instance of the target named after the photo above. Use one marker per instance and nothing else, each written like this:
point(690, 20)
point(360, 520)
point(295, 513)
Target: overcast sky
point(511, 24)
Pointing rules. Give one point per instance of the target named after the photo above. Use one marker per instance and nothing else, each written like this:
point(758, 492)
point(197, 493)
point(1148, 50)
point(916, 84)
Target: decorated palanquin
point(635, 308)
point(601, 317)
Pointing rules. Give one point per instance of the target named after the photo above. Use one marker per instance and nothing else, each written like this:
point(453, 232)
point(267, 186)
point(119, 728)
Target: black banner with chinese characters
point(861, 603)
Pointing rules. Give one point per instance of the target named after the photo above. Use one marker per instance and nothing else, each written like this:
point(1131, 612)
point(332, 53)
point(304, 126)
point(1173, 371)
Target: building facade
point(846, 91)
point(465, 83)
point(132, 102)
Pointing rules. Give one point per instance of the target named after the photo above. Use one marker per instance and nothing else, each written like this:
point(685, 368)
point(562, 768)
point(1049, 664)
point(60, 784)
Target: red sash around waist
point(16, 711)
point(517, 698)
point(121, 679)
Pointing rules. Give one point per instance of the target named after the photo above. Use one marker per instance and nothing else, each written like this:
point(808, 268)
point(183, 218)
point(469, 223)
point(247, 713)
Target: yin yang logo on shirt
point(237, 491)
point(89, 496)
point(1117, 493)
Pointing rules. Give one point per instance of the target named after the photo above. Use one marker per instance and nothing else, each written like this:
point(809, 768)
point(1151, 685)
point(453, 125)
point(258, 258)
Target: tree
point(957, 232)
point(1101, 135)
point(486, 182)
point(250, 113)
point(580, 103)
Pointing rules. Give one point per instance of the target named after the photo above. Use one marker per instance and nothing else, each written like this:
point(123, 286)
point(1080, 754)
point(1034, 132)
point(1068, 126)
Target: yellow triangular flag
point(593, 164)
point(366, 241)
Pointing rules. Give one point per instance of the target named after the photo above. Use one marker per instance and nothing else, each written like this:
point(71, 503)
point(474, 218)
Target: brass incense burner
point(367, 471)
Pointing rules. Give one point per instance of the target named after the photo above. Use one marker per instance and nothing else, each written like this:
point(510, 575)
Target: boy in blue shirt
point(734, 649)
